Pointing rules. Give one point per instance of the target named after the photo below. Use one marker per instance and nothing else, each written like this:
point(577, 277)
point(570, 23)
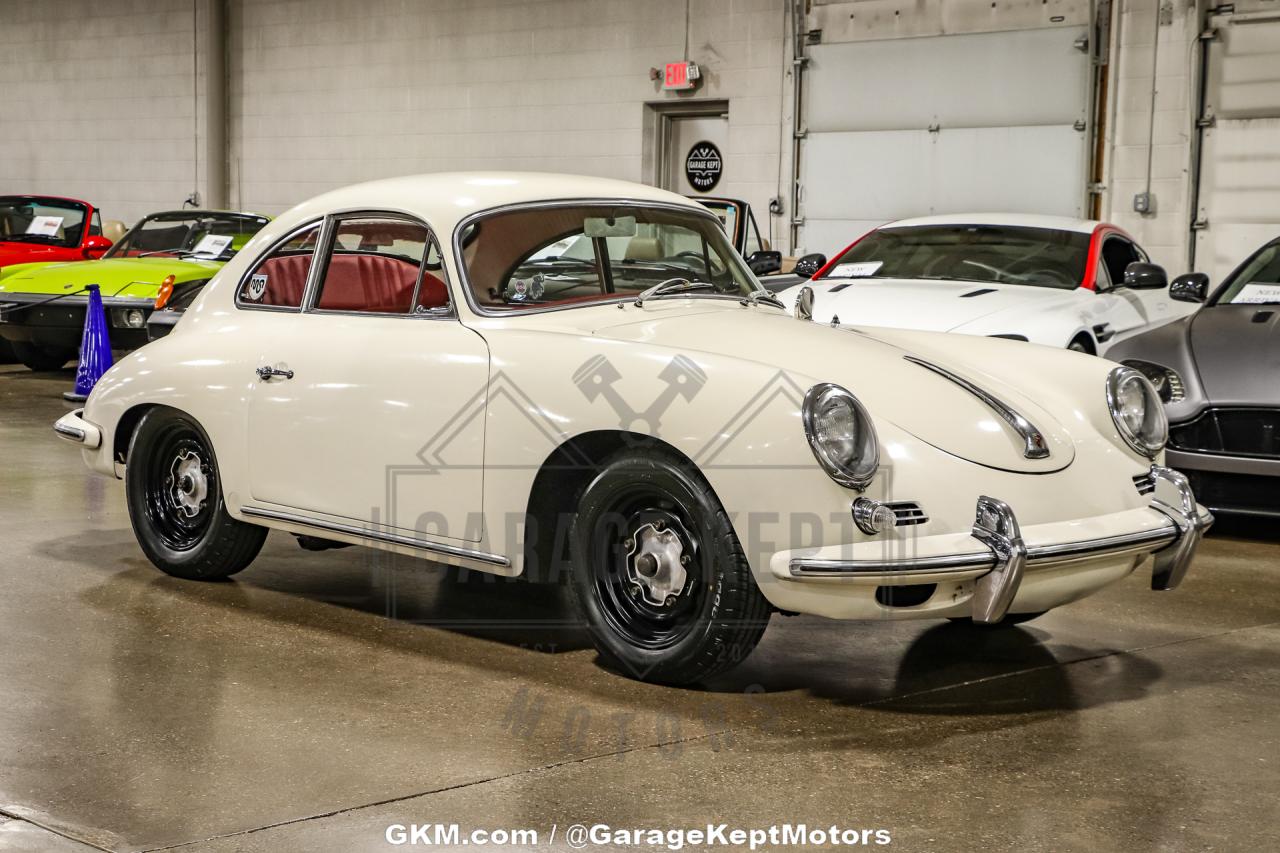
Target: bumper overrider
point(998, 569)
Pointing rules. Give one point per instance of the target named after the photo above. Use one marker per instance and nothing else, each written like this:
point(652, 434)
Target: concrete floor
point(286, 711)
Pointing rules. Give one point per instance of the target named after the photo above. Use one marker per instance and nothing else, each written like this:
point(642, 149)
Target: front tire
point(658, 574)
point(175, 501)
point(40, 357)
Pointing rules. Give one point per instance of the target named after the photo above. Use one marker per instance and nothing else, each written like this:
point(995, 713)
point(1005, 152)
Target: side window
point(1117, 254)
point(280, 278)
point(95, 224)
point(375, 266)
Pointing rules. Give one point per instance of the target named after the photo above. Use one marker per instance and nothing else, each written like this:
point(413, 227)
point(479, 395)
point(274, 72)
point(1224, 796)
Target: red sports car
point(46, 229)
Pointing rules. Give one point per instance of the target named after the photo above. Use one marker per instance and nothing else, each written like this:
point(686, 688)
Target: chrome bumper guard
point(74, 428)
point(1007, 556)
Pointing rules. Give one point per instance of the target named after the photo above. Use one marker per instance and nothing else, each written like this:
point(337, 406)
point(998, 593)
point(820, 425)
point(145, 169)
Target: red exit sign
point(680, 75)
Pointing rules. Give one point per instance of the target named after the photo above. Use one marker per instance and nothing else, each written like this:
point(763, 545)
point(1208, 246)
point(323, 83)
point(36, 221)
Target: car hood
point(1237, 353)
point(121, 277)
point(928, 305)
point(893, 389)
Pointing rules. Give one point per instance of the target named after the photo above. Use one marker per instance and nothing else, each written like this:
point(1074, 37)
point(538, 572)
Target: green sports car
point(42, 305)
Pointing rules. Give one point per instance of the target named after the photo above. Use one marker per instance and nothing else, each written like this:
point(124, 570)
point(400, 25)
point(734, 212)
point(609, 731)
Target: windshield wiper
point(671, 287)
point(755, 297)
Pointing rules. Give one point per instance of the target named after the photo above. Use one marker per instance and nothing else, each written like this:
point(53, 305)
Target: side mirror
point(1141, 276)
point(95, 246)
point(764, 262)
point(1190, 287)
point(810, 264)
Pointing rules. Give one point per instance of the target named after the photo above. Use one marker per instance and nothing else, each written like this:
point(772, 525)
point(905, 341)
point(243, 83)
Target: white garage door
point(942, 124)
point(1239, 196)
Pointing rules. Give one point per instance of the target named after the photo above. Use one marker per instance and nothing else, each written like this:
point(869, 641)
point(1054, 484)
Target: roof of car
point(1025, 220)
point(448, 196)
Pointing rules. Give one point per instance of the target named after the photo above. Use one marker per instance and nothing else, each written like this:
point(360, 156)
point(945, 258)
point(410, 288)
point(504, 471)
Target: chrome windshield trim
point(1034, 445)
point(381, 536)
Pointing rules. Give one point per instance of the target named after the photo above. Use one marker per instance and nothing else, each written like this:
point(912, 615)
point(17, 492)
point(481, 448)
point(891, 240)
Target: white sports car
point(1051, 280)
point(432, 366)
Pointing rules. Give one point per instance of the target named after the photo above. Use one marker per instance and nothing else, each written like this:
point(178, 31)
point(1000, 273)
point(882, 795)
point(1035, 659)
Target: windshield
point(1257, 282)
point(194, 234)
point(42, 221)
point(577, 253)
point(1042, 257)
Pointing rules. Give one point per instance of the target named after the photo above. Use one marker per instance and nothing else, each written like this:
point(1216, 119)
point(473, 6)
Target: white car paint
point(1044, 315)
point(393, 420)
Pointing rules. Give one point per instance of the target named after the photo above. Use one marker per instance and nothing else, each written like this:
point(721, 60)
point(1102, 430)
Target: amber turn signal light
point(166, 291)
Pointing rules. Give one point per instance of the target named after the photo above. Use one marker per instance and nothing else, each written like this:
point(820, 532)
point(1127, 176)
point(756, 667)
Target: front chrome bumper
point(998, 570)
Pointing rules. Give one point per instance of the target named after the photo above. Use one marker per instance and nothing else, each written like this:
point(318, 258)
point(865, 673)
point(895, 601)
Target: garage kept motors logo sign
point(703, 166)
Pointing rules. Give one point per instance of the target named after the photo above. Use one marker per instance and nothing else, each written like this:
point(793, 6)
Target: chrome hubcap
point(656, 564)
point(190, 485)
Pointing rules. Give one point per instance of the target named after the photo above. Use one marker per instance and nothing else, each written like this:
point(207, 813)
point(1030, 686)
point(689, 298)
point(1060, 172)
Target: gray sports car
point(1218, 372)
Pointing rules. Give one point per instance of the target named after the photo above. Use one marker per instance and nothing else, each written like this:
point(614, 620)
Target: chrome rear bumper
point(999, 568)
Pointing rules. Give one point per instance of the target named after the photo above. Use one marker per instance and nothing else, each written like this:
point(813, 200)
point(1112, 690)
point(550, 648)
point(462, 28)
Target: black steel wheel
point(175, 501)
point(658, 574)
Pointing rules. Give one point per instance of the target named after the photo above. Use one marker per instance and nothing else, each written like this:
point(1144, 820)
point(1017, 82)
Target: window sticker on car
point(45, 226)
point(858, 270)
point(257, 286)
point(212, 245)
point(1258, 293)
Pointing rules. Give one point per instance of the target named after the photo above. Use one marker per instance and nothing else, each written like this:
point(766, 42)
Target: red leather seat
point(286, 279)
point(368, 282)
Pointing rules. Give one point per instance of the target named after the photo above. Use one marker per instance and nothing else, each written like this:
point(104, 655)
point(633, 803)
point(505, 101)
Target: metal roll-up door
point(943, 124)
point(1238, 195)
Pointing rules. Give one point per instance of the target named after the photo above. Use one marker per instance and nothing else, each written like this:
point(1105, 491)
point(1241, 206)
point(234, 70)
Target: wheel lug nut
point(684, 560)
point(635, 590)
point(659, 525)
point(629, 544)
point(670, 602)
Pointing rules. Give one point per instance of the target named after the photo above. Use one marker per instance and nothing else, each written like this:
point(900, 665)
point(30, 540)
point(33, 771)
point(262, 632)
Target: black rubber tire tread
point(227, 546)
point(40, 358)
point(741, 613)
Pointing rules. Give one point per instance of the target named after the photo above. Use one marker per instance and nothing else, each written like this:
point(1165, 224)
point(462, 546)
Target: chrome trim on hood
point(1034, 444)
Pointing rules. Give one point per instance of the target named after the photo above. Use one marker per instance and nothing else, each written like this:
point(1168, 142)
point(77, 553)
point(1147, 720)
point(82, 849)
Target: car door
point(1120, 311)
point(368, 406)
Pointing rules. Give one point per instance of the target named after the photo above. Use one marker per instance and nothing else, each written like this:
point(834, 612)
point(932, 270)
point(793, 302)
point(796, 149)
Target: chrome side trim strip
point(1034, 445)
point(382, 536)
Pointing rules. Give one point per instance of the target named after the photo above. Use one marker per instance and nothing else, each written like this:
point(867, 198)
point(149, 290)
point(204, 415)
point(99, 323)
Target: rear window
point(1041, 257)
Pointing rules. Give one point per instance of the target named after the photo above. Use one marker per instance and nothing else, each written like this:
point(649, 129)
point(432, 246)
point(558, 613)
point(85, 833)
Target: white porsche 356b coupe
point(523, 372)
point(1052, 280)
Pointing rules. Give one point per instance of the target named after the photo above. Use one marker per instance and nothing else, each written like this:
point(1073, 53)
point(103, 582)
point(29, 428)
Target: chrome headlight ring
point(1137, 411)
point(841, 435)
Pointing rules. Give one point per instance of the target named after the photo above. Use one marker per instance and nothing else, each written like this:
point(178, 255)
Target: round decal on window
point(703, 166)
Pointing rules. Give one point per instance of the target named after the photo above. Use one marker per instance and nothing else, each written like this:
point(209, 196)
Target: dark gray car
point(1218, 372)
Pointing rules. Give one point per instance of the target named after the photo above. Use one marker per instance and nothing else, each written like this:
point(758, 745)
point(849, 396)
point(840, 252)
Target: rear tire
point(175, 501)
point(658, 574)
point(40, 357)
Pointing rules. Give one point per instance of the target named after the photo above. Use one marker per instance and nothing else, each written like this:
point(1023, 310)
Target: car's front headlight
point(1137, 411)
point(841, 435)
point(1166, 380)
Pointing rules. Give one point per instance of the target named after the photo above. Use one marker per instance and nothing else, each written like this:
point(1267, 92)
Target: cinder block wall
point(97, 102)
point(1153, 36)
point(327, 92)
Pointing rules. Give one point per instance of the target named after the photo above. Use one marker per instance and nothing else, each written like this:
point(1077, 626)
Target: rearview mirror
point(95, 246)
point(764, 262)
point(810, 264)
point(1144, 276)
point(609, 226)
point(1190, 287)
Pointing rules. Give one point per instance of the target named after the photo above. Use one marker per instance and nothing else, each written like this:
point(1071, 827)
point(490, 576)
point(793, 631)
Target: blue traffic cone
point(95, 348)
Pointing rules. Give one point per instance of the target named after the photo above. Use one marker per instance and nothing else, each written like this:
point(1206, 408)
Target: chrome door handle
point(265, 373)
